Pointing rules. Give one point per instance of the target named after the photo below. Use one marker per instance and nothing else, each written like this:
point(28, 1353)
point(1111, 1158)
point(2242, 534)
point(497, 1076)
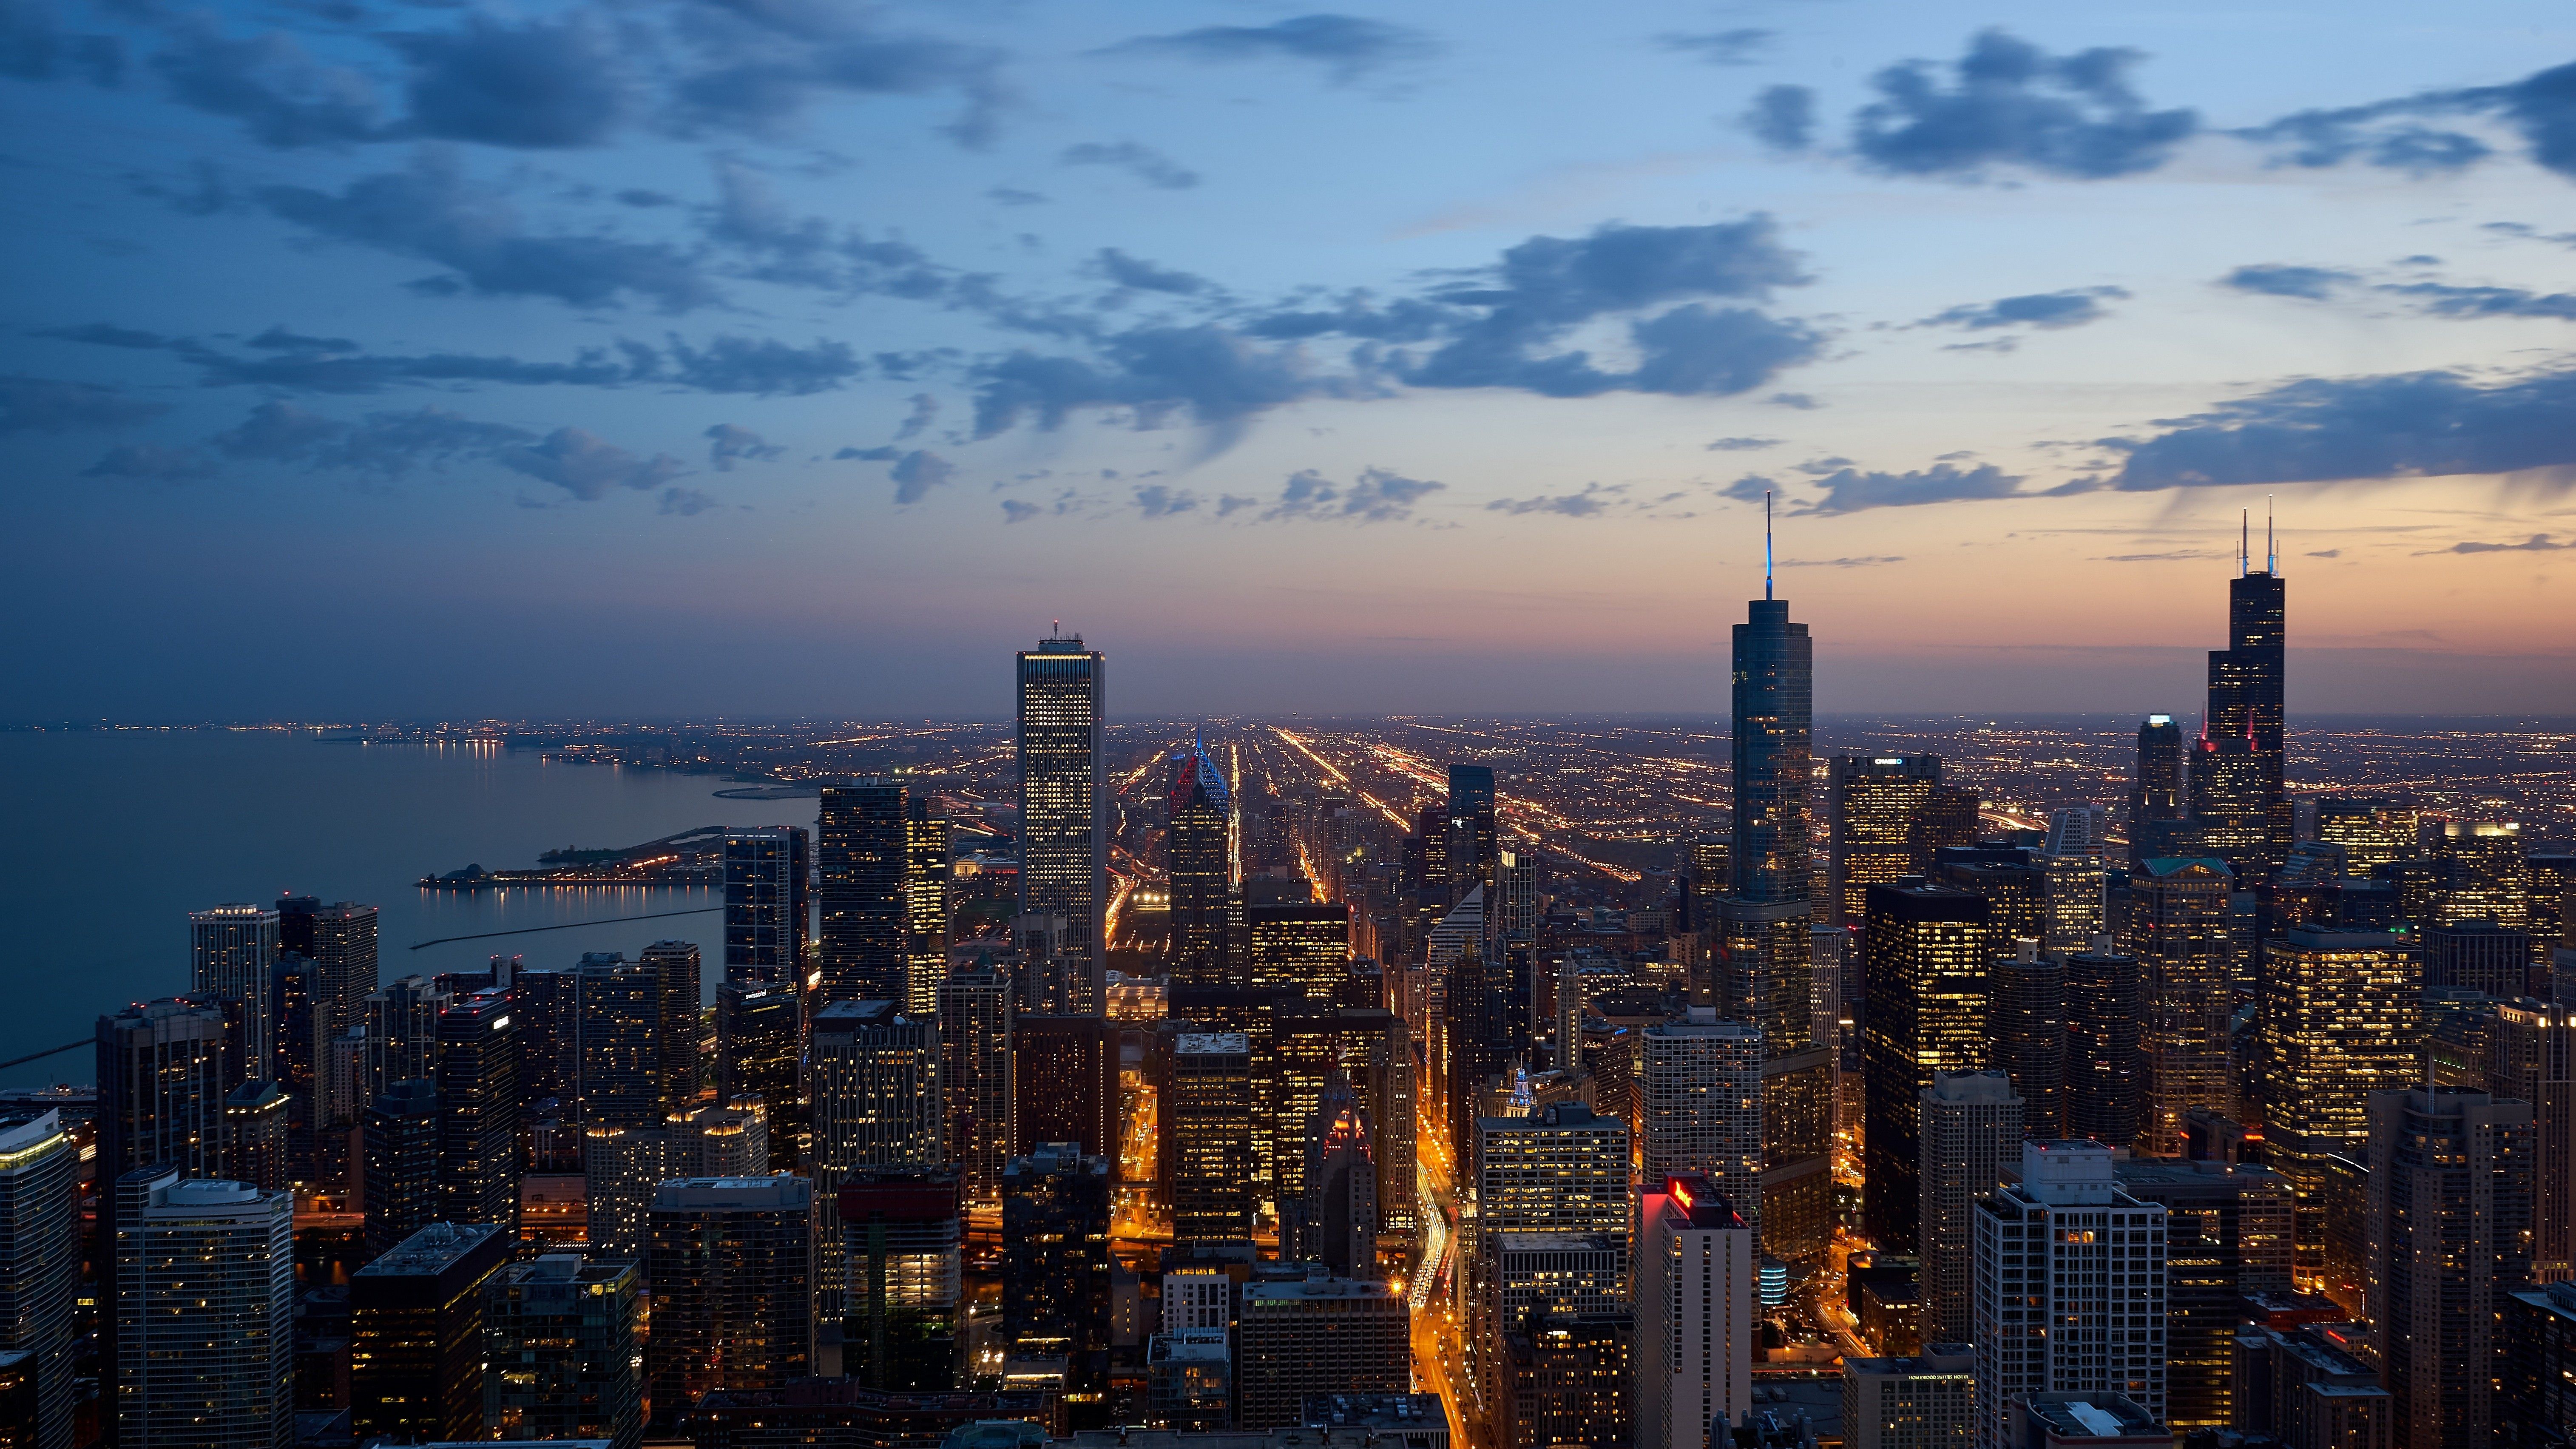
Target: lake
point(108, 838)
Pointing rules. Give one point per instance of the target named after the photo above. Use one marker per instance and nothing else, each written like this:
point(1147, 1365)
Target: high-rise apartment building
point(2240, 804)
point(1199, 814)
point(2073, 889)
point(416, 1349)
point(873, 1078)
point(622, 1167)
point(1877, 813)
point(2533, 1060)
point(478, 1092)
point(1209, 1113)
point(765, 883)
point(2227, 1240)
point(2027, 1016)
point(1971, 1135)
point(161, 1088)
point(607, 1038)
point(233, 948)
point(203, 1352)
point(1695, 1341)
point(1304, 950)
point(719, 1140)
point(402, 1019)
point(731, 1261)
point(1700, 1100)
point(2179, 931)
point(859, 868)
point(341, 940)
point(1055, 1260)
point(1064, 797)
point(925, 904)
point(1924, 951)
point(40, 1264)
point(255, 1136)
point(902, 1235)
point(2106, 1009)
point(400, 1171)
point(2448, 1240)
point(676, 971)
point(563, 1351)
point(976, 1064)
point(2070, 1288)
point(1516, 896)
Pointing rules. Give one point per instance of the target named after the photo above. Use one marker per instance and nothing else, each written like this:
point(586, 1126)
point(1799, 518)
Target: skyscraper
point(1304, 950)
point(2027, 1022)
point(1064, 794)
point(1199, 811)
point(2340, 1016)
point(1562, 1169)
point(161, 1088)
point(204, 1348)
point(2245, 800)
point(901, 1232)
point(860, 855)
point(562, 1347)
point(2075, 1302)
point(1701, 1103)
point(416, 1344)
point(400, 1172)
point(2178, 930)
point(1209, 1114)
point(2156, 799)
point(1339, 1225)
point(1065, 1085)
point(975, 1077)
point(40, 1263)
point(1877, 808)
point(874, 1078)
point(2448, 1238)
point(478, 1090)
point(1971, 1133)
point(925, 904)
point(759, 1050)
point(2373, 831)
point(765, 902)
point(233, 948)
point(255, 1136)
point(619, 1039)
point(2227, 1239)
point(2490, 879)
point(1924, 951)
point(1055, 1259)
point(1475, 844)
point(622, 1168)
point(1695, 1337)
point(341, 939)
point(2106, 1009)
point(1318, 1336)
point(1773, 724)
point(675, 969)
point(731, 1261)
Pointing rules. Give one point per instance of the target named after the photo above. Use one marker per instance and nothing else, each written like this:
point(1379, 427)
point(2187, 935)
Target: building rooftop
point(1698, 1200)
point(2082, 1417)
point(1211, 1044)
point(1190, 1345)
point(1373, 1410)
point(1553, 1243)
point(431, 1250)
point(1312, 1288)
point(785, 1192)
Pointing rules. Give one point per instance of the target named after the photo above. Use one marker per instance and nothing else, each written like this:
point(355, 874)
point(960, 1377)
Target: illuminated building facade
point(1924, 952)
point(1696, 1341)
point(1701, 1105)
point(478, 1091)
point(203, 1347)
point(1065, 1081)
point(2448, 1240)
point(925, 905)
point(2227, 1239)
point(1339, 1225)
point(2028, 1014)
point(759, 1049)
point(860, 857)
point(2157, 802)
point(565, 1351)
point(1209, 1114)
point(1877, 809)
point(901, 1234)
point(1475, 841)
point(416, 1349)
point(2106, 1012)
point(873, 1084)
point(1199, 811)
point(232, 949)
point(2372, 830)
point(2075, 1302)
point(1064, 791)
point(1316, 1336)
point(1772, 731)
point(623, 1167)
point(765, 882)
point(1971, 1134)
point(1304, 950)
point(975, 1075)
point(1562, 1169)
point(675, 968)
point(731, 1261)
point(2244, 812)
point(2489, 879)
point(340, 939)
point(40, 1264)
point(2534, 1061)
point(2178, 930)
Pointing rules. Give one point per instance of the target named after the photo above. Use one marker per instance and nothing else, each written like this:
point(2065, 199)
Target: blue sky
point(779, 357)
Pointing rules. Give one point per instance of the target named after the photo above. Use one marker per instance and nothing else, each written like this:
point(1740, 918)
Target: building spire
point(2271, 548)
point(2244, 542)
point(1766, 543)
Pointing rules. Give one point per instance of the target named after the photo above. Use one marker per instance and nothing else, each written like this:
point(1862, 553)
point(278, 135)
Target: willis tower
point(2240, 807)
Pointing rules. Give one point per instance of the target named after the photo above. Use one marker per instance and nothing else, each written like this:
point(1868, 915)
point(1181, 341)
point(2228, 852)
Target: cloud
point(1016, 511)
point(1702, 351)
point(1593, 501)
point(1742, 445)
point(2327, 553)
point(1378, 497)
point(151, 463)
point(278, 430)
point(1782, 117)
point(1723, 47)
point(1851, 490)
point(925, 409)
point(868, 455)
point(728, 444)
point(1213, 375)
point(2011, 104)
point(1014, 196)
point(760, 64)
point(1154, 500)
point(2312, 283)
point(1346, 46)
point(2537, 543)
point(1136, 159)
point(1803, 402)
point(810, 252)
point(2450, 301)
point(725, 363)
point(1144, 276)
point(42, 405)
point(1868, 561)
point(763, 365)
point(685, 502)
point(917, 472)
point(544, 84)
point(271, 85)
point(2072, 308)
point(430, 211)
point(2320, 430)
point(587, 466)
point(33, 47)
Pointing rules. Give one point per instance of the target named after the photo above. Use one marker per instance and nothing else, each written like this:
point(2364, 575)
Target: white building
point(2070, 1288)
point(205, 1301)
point(1692, 1359)
point(1701, 1097)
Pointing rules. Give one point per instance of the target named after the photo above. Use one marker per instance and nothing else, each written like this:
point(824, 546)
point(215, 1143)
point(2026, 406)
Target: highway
point(1439, 1355)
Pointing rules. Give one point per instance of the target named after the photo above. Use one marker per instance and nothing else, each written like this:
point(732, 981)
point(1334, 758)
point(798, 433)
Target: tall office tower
point(759, 1050)
point(1924, 952)
point(1773, 724)
point(925, 904)
point(2072, 890)
point(400, 1174)
point(1695, 1340)
point(1065, 1085)
point(719, 1141)
point(1710, 879)
point(2178, 930)
point(563, 1347)
point(1305, 1045)
point(1762, 972)
point(1064, 799)
point(233, 948)
point(1561, 1169)
point(901, 1232)
point(1304, 950)
point(1200, 814)
point(2106, 1008)
point(1516, 896)
point(1055, 1260)
point(403, 1018)
point(622, 1167)
point(2228, 813)
point(1209, 1114)
point(161, 1086)
point(416, 1348)
point(873, 1074)
point(1315, 1336)
point(255, 1137)
point(2227, 1240)
point(731, 1261)
point(40, 1264)
point(2490, 880)
point(975, 1078)
point(478, 1093)
point(1701, 1105)
point(2026, 1018)
point(2076, 1300)
point(2157, 803)
point(1475, 841)
point(341, 939)
point(2245, 702)
point(303, 1017)
point(2340, 1016)
point(2449, 1237)
point(2534, 1060)
point(2480, 956)
point(1339, 1225)
point(765, 875)
point(204, 1348)
point(1877, 804)
point(674, 967)
point(2553, 892)
point(859, 858)
point(611, 1048)
point(2373, 831)
point(1972, 1135)
point(1915, 1402)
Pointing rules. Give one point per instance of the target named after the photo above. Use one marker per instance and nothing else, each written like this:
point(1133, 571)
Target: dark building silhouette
point(2227, 1239)
point(2448, 1240)
point(902, 1233)
point(858, 885)
point(401, 1168)
point(676, 970)
point(2106, 1007)
point(416, 1334)
point(1064, 800)
point(1474, 846)
point(731, 1261)
point(2247, 802)
point(1924, 956)
point(758, 1044)
point(1055, 1260)
point(1199, 811)
point(767, 872)
point(564, 1342)
point(1773, 726)
point(2027, 1016)
point(478, 1091)
point(2157, 803)
point(1065, 1071)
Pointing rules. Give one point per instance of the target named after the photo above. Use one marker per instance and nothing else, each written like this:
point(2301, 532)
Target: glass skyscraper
point(1064, 788)
point(1774, 716)
point(1201, 869)
point(2239, 803)
point(859, 868)
point(764, 919)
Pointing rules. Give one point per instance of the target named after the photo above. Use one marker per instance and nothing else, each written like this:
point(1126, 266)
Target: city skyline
point(1344, 361)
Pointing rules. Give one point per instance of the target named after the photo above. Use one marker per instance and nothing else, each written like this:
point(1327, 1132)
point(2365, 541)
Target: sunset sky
point(784, 357)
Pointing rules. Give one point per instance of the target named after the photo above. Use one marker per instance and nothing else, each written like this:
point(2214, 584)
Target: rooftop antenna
point(2271, 549)
point(1766, 543)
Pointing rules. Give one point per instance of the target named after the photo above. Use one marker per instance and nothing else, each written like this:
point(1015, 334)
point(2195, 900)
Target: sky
point(786, 358)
